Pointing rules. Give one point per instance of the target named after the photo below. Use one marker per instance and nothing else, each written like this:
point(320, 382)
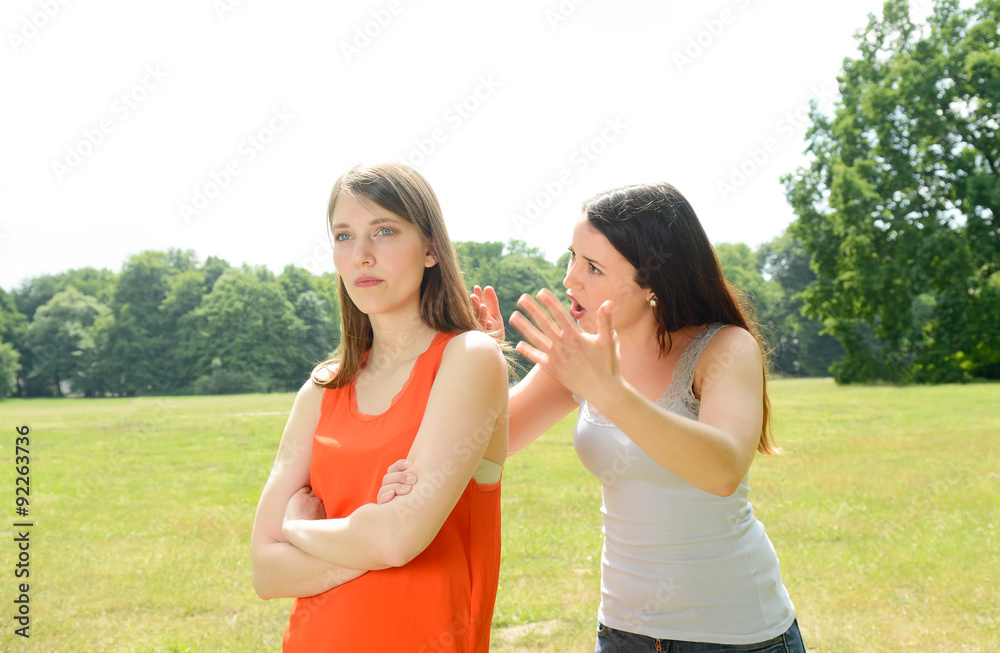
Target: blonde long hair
point(444, 302)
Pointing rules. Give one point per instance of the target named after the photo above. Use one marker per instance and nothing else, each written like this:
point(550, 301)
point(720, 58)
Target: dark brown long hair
point(655, 228)
point(444, 304)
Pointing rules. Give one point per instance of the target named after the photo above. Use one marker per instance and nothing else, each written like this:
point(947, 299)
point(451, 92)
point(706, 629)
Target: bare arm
point(537, 404)
point(465, 419)
point(712, 453)
point(538, 401)
point(279, 568)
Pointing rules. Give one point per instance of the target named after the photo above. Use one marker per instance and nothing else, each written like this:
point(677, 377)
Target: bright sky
point(221, 125)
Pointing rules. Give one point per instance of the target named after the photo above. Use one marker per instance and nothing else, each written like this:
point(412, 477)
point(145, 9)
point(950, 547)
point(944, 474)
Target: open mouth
point(576, 311)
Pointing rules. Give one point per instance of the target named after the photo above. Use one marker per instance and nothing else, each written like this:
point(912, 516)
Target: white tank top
point(678, 562)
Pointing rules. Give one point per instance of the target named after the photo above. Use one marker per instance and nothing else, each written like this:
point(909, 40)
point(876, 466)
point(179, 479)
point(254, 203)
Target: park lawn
point(883, 513)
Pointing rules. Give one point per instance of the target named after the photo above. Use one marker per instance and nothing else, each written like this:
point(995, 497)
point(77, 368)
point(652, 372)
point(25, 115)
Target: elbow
point(260, 586)
point(725, 489)
point(728, 485)
point(261, 593)
point(397, 548)
point(395, 554)
point(263, 583)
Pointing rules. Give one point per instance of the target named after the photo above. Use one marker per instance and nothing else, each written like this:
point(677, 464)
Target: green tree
point(140, 336)
point(61, 340)
point(143, 336)
point(799, 348)
point(479, 262)
point(246, 330)
point(900, 205)
point(295, 281)
point(326, 287)
point(316, 342)
point(214, 268)
point(185, 291)
point(558, 273)
point(36, 291)
point(741, 268)
point(13, 333)
point(10, 365)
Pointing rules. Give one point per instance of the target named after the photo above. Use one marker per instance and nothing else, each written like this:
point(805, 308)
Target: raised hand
point(487, 308)
point(586, 364)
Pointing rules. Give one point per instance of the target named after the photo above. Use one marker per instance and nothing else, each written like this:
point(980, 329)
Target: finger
point(604, 327)
point(541, 318)
point(483, 315)
point(398, 478)
point(557, 310)
point(532, 354)
point(385, 496)
point(492, 302)
point(528, 330)
point(400, 465)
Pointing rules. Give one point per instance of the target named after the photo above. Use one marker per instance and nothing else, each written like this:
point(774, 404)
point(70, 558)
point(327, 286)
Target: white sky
point(564, 110)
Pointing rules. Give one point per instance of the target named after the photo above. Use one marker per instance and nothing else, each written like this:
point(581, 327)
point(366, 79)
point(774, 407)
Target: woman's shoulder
point(729, 337)
point(472, 351)
point(732, 350)
point(477, 342)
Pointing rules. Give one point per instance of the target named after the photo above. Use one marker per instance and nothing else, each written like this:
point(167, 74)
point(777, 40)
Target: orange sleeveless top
point(443, 599)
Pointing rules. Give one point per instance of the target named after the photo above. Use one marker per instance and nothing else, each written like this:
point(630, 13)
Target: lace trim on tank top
point(678, 390)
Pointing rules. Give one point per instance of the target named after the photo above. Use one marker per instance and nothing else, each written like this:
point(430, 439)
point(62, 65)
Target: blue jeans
point(610, 640)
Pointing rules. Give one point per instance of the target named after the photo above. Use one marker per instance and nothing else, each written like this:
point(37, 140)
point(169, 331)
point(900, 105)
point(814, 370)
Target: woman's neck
point(396, 339)
point(638, 338)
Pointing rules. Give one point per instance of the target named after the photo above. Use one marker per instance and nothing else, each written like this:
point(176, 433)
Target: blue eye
point(340, 237)
point(386, 231)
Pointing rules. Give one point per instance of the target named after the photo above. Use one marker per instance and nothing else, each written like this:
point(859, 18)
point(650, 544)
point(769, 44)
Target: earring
point(652, 302)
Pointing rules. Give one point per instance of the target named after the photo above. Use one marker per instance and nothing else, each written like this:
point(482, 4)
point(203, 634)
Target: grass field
point(884, 513)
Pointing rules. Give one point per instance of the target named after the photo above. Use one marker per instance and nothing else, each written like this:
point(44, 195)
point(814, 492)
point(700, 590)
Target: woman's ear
point(430, 258)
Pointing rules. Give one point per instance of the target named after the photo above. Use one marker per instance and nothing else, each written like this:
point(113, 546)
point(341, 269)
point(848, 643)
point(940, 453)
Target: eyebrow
point(587, 258)
point(376, 221)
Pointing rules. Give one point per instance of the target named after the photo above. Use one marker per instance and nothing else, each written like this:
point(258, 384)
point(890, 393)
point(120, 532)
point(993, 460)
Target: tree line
point(168, 323)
